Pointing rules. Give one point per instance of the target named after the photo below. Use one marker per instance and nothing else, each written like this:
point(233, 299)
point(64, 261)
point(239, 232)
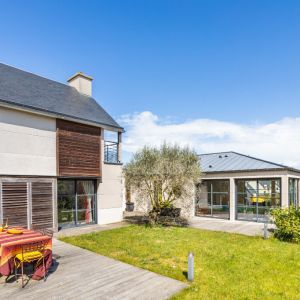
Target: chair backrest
point(47, 232)
point(34, 246)
point(43, 231)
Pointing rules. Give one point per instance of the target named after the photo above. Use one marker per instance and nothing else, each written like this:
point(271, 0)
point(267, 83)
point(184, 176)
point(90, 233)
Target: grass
point(227, 266)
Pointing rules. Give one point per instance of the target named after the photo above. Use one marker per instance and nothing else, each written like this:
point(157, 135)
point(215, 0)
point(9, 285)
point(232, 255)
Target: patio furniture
point(11, 245)
point(43, 231)
point(32, 253)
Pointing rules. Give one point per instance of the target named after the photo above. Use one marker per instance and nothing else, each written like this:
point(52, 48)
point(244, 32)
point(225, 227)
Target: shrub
point(287, 222)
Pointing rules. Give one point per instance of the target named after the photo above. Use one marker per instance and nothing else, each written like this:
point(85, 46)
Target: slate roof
point(27, 90)
point(233, 162)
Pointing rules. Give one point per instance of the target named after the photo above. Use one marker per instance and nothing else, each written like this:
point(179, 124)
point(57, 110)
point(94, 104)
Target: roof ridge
point(216, 153)
point(263, 160)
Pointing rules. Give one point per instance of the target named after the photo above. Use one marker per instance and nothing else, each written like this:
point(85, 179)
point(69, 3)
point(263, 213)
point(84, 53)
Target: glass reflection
point(212, 199)
point(255, 198)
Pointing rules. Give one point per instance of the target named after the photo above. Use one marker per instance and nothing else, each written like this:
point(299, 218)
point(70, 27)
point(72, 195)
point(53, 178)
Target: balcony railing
point(111, 152)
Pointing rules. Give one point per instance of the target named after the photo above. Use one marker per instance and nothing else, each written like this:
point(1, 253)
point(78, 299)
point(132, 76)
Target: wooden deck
point(81, 274)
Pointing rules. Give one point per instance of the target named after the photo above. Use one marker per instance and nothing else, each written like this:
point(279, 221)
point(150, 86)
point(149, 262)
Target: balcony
point(111, 152)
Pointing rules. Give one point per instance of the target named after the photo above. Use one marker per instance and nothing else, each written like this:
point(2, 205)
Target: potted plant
point(129, 206)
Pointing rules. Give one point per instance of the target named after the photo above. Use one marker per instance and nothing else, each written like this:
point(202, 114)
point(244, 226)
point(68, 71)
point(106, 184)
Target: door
point(212, 199)
point(86, 202)
point(256, 197)
point(76, 202)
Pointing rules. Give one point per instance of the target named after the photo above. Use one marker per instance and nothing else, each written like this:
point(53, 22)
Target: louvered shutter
point(42, 204)
point(15, 203)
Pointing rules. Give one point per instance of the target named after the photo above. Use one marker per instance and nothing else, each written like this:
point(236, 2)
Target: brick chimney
point(82, 83)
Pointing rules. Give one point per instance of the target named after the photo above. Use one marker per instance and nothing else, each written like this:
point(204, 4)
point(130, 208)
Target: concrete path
point(242, 227)
point(88, 229)
point(81, 274)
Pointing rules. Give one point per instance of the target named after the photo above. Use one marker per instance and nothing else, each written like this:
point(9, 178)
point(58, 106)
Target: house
point(240, 187)
point(56, 167)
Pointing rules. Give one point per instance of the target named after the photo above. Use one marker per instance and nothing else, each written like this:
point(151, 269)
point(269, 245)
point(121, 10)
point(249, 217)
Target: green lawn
point(227, 266)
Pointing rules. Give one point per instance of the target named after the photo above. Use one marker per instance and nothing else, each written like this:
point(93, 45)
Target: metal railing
point(111, 152)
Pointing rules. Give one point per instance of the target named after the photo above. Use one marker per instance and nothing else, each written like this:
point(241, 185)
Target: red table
point(10, 246)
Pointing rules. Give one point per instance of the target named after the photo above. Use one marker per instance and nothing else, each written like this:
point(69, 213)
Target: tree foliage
point(162, 175)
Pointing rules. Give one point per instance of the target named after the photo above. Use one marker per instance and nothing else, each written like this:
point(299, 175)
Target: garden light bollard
point(191, 266)
point(265, 230)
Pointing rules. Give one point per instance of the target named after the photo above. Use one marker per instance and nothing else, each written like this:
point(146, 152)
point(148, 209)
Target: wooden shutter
point(42, 204)
point(78, 149)
point(15, 203)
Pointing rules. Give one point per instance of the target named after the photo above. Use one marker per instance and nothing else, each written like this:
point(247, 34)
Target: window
point(76, 202)
point(256, 197)
point(293, 192)
point(212, 199)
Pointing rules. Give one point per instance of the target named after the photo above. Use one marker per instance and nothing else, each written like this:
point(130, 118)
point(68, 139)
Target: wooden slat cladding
point(15, 203)
point(42, 204)
point(78, 149)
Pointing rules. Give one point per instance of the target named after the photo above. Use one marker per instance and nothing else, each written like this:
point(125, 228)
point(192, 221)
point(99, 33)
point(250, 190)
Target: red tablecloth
point(10, 245)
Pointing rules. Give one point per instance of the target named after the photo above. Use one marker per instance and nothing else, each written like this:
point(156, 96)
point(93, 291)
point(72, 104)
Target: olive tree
point(163, 175)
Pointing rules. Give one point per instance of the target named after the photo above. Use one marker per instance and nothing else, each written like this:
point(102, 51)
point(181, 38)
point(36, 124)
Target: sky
point(213, 75)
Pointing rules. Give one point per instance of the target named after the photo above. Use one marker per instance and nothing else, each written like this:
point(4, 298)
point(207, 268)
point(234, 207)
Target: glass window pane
point(293, 192)
point(66, 187)
point(85, 187)
point(66, 210)
point(220, 186)
point(203, 199)
point(85, 206)
point(256, 197)
point(212, 198)
point(66, 202)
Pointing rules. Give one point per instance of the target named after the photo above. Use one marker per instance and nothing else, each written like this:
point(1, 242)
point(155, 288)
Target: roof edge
point(45, 112)
point(285, 167)
point(34, 74)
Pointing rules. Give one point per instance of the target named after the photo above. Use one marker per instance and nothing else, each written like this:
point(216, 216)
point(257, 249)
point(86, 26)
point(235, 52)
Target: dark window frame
point(75, 194)
point(257, 179)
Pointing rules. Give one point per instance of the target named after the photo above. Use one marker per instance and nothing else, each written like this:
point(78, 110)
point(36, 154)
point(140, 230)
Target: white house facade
point(56, 168)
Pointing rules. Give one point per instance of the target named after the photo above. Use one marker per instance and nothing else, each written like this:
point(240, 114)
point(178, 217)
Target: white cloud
point(278, 141)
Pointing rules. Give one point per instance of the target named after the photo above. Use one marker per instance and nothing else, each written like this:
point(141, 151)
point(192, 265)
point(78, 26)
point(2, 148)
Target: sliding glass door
point(256, 197)
point(76, 202)
point(212, 199)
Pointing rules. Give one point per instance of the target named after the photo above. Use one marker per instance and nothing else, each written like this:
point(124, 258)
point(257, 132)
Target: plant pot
point(170, 212)
point(129, 206)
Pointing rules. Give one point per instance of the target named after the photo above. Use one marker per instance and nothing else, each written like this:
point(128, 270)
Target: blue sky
point(235, 62)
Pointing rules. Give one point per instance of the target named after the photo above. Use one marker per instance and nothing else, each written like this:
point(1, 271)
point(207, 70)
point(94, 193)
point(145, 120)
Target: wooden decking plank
point(82, 274)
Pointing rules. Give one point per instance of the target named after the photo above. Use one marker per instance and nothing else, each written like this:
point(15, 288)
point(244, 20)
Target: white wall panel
point(27, 144)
